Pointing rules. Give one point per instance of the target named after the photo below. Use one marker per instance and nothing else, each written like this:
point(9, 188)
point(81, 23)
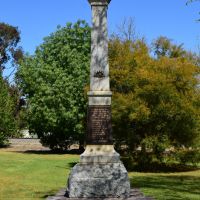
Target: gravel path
point(26, 144)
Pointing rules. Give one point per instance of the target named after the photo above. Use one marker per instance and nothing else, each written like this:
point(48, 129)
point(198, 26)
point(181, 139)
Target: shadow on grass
point(165, 168)
point(4, 146)
point(43, 152)
point(68, 166)
point(169, 187)
point(44, 195)
point(157, 167)
point(72, 164)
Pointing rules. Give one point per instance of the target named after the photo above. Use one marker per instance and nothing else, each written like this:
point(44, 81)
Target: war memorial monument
point(100, 173)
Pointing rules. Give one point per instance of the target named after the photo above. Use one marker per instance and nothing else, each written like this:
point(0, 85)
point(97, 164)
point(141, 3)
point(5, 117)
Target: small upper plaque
point(99, 74)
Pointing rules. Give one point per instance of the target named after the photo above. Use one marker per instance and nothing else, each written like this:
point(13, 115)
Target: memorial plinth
point(100, 173)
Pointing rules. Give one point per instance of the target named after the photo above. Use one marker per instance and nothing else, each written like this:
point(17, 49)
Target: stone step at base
point(135, 195)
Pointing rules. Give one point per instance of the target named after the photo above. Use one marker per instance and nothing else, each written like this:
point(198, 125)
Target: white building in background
point(26, 134)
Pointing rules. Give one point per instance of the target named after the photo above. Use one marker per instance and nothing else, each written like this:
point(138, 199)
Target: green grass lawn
point(33, 176)
point(168, 186)
point(36, 176)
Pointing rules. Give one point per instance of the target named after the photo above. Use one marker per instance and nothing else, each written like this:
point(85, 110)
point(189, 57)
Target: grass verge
point(36, 176)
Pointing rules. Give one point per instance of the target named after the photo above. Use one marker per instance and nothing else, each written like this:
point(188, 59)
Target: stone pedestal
point(99, 180)
point(100, 173)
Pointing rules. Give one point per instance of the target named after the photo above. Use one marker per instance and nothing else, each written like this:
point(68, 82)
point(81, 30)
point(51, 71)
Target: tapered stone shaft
point(99, 69)
point(99, 110)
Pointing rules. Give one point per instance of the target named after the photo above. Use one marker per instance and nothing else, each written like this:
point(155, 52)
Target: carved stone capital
point(99, 2)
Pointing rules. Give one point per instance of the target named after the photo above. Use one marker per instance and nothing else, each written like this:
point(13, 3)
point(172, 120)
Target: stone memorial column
point(100, 173)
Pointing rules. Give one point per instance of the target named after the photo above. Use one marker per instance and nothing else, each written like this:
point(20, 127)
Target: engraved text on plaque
point(99, 125)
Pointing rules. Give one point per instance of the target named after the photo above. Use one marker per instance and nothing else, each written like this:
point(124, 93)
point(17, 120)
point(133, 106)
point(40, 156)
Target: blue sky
point(38, 18)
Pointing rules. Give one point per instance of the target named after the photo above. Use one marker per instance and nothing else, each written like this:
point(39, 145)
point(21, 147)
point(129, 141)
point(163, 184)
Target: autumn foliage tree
point(156, 99)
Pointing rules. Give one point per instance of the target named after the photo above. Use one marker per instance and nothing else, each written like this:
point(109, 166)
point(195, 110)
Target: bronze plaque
point(99, 125)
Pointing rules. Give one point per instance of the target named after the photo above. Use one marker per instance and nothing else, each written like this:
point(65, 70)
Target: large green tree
point(53, 81)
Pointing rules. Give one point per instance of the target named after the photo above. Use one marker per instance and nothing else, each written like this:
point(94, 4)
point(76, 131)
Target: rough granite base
point(135, 194)
point(99, 180)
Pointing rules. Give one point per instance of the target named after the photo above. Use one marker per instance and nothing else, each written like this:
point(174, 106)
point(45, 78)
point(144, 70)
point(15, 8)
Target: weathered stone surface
point(99, 2)
point(99, 49)
point(99, 98)
point(99, 154)
point(99, 180)
point(134, 195)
